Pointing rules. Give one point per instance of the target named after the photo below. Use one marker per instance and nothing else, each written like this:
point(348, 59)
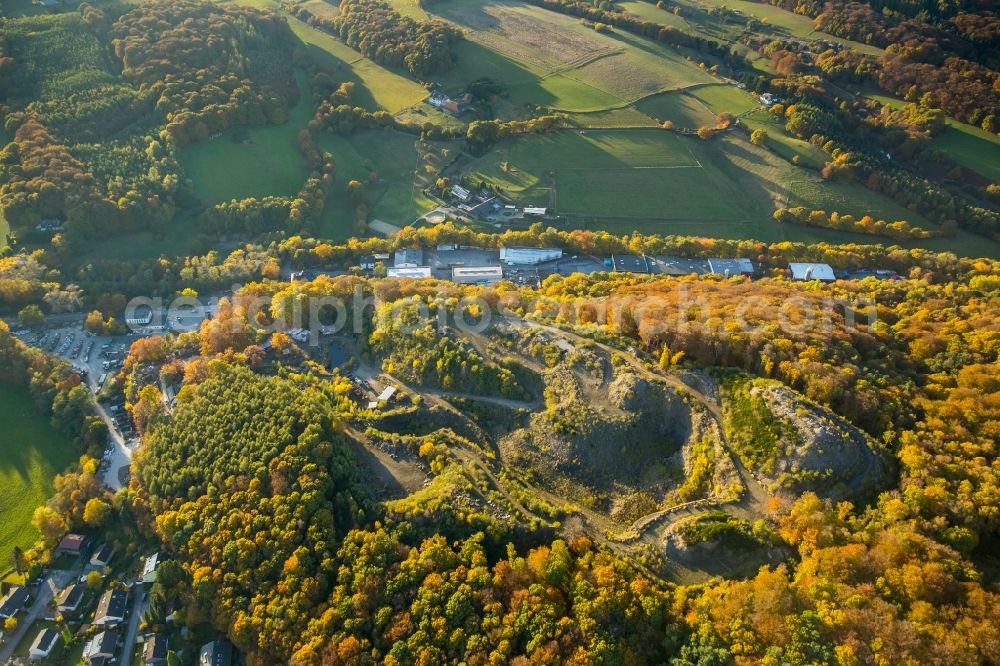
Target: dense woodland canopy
point(401, 592)
point(100, 100)
point(250, 481)
point(375, 29)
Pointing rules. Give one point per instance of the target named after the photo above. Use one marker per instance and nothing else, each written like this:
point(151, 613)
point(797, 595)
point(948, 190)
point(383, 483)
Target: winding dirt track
point(649, 530)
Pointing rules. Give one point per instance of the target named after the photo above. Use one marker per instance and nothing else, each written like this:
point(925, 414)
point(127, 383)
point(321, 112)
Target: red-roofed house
point(72, 544)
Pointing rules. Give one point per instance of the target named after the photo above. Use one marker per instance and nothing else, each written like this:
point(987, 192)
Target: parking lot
point(97, 359)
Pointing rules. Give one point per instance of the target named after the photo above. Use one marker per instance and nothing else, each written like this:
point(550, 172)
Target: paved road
point(139, 607)
point(121, 455)
point(54, 582)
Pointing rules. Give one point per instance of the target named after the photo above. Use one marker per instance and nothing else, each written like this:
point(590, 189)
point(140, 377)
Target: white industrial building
point(730, 267)
point(484, 275)
point(415, 272)
point(810, 271)
point(529, 256)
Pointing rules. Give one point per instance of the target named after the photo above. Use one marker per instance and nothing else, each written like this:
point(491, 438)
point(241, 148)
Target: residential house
point(45, 643)
point(216, 653)
point(70, 599)
point(100, 650)
point(150, 566)
point(72, 544)
point(102, 556)
point(154, 650)
point(17, 600)
point(112, 608)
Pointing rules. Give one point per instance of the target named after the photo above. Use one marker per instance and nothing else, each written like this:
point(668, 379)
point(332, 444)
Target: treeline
point(385, 36)
point(307, 252)
point(898, 230)
point(849, 143)
point(291, 215)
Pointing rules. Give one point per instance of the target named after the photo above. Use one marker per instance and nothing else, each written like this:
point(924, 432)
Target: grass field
point(683, 109)
point(31, 454)
point(972, 148)
point(662, 182)
point(724, 98)
point(783, 143)
point(611, 174)
point(549, 59)
point(268, 163)
point(396, 196)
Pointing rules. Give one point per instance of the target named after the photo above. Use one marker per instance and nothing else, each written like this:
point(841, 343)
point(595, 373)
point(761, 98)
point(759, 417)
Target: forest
point(381, 33)
point(312, 520)
point(320, 575)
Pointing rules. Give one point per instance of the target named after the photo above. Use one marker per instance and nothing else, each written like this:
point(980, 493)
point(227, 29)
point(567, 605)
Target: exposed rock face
point(821, 451)
point(614, 438)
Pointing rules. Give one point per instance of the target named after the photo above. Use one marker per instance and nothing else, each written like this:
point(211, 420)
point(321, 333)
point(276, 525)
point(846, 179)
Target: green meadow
point(31, 454)
point(393, 165)
point(246, 162)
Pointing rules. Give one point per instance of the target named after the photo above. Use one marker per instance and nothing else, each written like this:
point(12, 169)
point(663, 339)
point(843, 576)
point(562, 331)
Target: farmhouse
point(529, 256)
point(100, 649)
point(17, 599)
point(481, 275)
point(478, 206)
point(811, 271)
point(69, 601)
point(454, 106)
point(216, 653)
point(45, 642)
point(73, 544)
point(460, 193)
point(111, 609)
point(367, 262)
